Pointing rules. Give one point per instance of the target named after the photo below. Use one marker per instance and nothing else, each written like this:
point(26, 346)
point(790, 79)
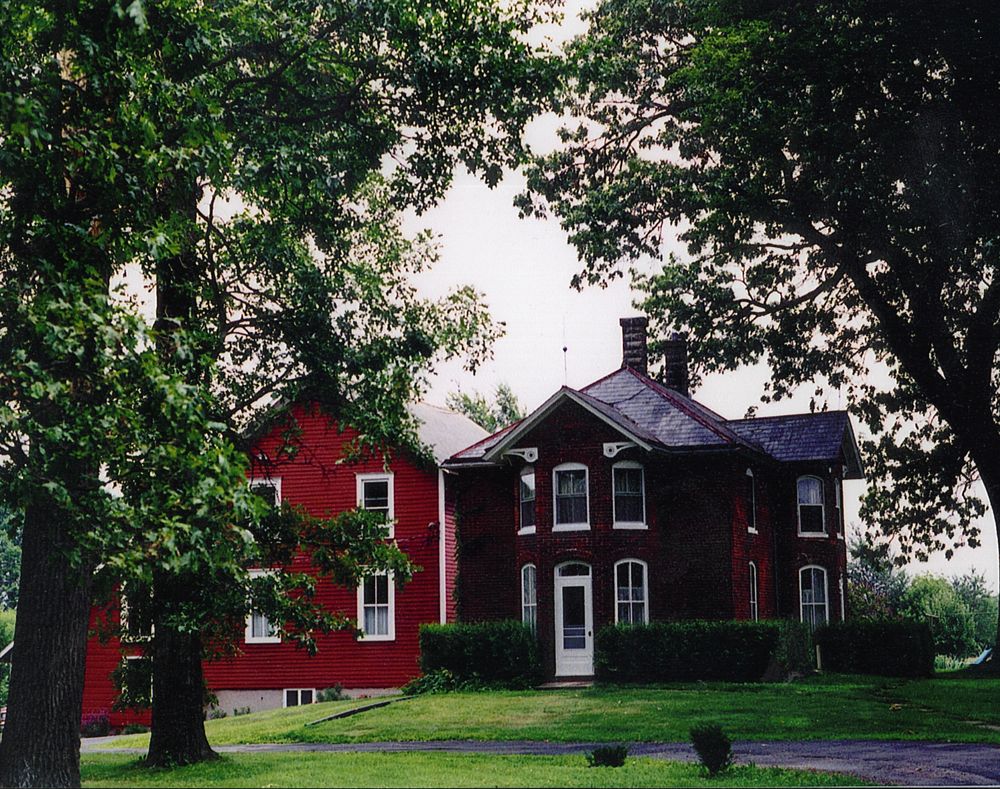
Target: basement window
point(296, 697)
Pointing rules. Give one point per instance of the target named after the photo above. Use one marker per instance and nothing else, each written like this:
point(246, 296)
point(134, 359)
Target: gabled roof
point(660, 419)
point(444, 431)
point(822, 436)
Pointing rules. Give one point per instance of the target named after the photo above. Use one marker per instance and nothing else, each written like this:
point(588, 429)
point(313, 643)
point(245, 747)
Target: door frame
point(580, 665)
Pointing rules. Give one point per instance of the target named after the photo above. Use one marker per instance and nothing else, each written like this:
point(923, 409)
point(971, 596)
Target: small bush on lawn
point(884, 647)
point(713, 746)
point(135, 728)
point(608, 756)
point(684, 651)
point(333, 693)
point(216, 713)
point(95, 724)
point(439, 681)
point(487, 654)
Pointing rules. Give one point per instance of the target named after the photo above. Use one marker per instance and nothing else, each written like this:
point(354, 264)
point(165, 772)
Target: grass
point(426, 769)
point(829, 707)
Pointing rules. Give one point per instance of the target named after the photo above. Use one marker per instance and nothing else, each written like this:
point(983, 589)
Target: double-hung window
point(751, 501)
point(376, 608)
point(632, 602)
point(375, 494)
point(629, 496)
point(529, 599)
point(527, 500)
point(572, 508)
point(812, 518)
point(259, 629)
point(814, 605)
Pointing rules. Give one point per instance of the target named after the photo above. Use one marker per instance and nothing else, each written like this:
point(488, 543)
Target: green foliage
point(607, 756)
point(134, 728)
point(831, 170)
point(678, 651)
point(794, 652)
point(333, 693)
point(713, 746)
point(890, 648)
point(982, 605)
point(95, 724)
point(875, 587)
point(935, 601)
point(134, 681)
point(10, 557)
point(439, 680)
point(498, 654)
point(505, 409)
point(7, 618)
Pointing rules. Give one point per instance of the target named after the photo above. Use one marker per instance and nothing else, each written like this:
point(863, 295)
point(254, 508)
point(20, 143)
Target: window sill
point(752, 531)
point(571, 527)
point(814, 535)
point(364, 639)
point(272, 640)
point(629, 525)
point(525, 530)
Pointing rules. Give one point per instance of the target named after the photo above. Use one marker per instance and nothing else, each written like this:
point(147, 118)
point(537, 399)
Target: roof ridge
point(788, 416)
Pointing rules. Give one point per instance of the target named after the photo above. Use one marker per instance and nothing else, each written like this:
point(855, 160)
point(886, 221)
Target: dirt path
point(885, 762)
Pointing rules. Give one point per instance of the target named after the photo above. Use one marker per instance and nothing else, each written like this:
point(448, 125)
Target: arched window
point(630, 592)
point(629, 495)
point(529, 598)
point(754, 610)
point(812, 519)
point(527, 497)
point(813, 597)
point(751, 502)
point(571, 505)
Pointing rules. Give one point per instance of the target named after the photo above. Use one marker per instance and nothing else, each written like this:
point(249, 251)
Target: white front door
point(574, 621)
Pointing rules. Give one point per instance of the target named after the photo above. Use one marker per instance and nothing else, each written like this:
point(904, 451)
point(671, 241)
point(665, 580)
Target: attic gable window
point(527, 500)
point(572, 507)
point(812, 518)
point(629, 496)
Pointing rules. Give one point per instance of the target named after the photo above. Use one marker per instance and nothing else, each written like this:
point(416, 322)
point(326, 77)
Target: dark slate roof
point(663, 419)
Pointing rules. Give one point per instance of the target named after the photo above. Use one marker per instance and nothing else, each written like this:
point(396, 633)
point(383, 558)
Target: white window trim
point(125, 638)
point(361, 479)
point(391, 635)
point(645, 587)
point(755, 593)
point(284, 696)
point(247, 638)
point(752, 504)
point(275, 482)
point(617, 524)
point(838, 492)
point(843, 597)
point(826, 591)
point(525, 605)
point(798, 507)
point(555, 489)
point(526, 529)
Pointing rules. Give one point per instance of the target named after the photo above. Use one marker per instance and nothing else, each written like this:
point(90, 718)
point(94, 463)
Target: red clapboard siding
point(317, 479)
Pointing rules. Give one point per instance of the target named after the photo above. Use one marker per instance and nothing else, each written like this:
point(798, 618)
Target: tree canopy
point(492, 415)
point(834, 172)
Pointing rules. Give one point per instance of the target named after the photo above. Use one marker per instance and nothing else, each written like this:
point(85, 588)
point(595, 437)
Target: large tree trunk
point(178, 730)
point(41, 738)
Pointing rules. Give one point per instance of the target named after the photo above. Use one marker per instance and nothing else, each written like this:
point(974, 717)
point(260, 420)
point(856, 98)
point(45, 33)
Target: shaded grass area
point(827, 707)
point(425, 769)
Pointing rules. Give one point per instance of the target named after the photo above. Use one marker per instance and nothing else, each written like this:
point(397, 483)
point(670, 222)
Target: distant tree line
point(961, 611)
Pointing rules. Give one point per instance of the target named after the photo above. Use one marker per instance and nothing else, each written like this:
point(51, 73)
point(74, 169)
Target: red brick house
point(628, 501)
point(269, 673)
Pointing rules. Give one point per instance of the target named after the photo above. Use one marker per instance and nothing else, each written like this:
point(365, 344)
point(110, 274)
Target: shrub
point(678, 651)
point(438, 681)
point(216, 713)
point(713, 746)
point(95, 724)
point(608, 756)
point(885, 647)
point(795, 652)
point(485, 654)
point(333, 693)
point(238, 711)
point(135, 728)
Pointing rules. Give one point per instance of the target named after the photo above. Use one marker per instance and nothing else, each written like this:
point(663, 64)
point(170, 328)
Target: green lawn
point(424, 769)
point(830, 707)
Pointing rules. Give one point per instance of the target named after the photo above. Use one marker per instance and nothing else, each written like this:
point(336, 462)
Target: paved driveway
point(886, 762)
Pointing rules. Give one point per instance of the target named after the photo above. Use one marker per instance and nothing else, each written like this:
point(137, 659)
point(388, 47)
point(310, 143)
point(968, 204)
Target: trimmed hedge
point(501, 653)
point(682, 651)
point(885, 647)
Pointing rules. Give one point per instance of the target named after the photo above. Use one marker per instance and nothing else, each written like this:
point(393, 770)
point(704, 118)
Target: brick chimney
point(634, 352)
point(675, 363)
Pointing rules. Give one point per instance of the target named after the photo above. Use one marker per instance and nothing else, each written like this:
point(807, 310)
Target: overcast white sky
point(524, 268)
